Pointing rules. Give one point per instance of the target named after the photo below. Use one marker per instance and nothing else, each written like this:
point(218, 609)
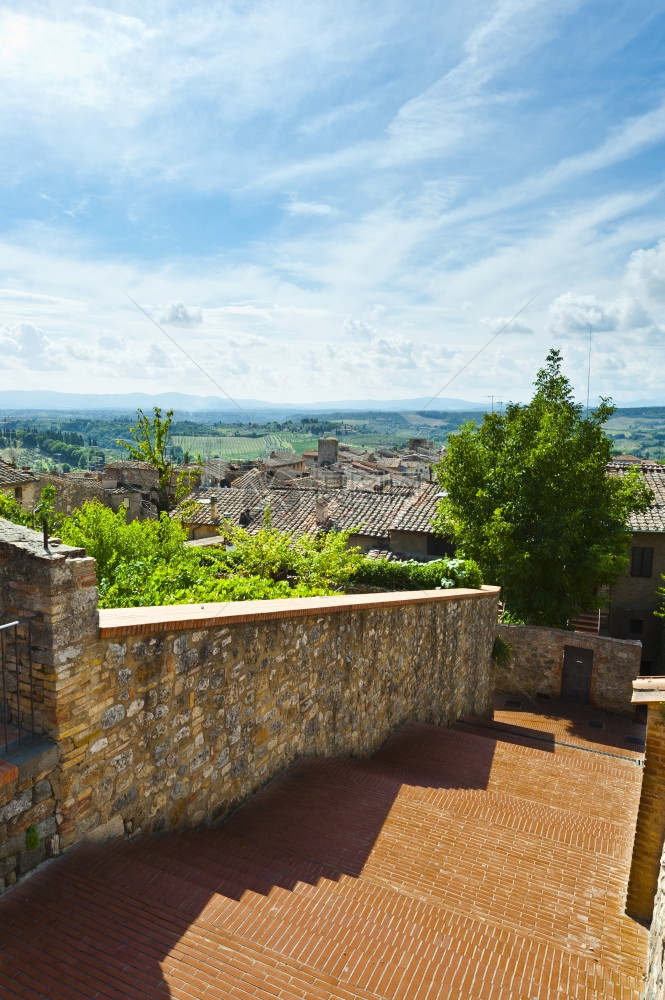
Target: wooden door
point(576, 675)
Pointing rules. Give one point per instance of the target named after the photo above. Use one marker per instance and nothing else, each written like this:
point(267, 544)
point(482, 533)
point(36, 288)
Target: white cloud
point(28, 345)
point(111, 342)
point(356, 199)
point(157, 357)
point(296, 207)
point(646, 270)
point(496, 323)
point(246, 340)
point(178, 314)
point(357, 328)
point(571, 314)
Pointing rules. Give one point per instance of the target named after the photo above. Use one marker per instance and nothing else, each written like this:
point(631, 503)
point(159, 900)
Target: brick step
point(218, 854)
point(443, 868)
point(117, 944)
point(609, 800)
point(450, 851)
point(442, 863)
point(598, 836)
point(550, 840)
point(523, 771)
point(326, 937)
point(604, 746)
point(462, 867)
point(433, 752)
point(591, 622)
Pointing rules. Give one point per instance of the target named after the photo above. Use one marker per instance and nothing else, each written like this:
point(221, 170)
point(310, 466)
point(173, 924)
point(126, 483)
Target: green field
point(232, 449)
point(639, 432)
point(239, 449)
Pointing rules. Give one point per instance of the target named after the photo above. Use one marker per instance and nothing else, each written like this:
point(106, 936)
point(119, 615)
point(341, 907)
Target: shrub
point(413, 575)
point(502, 652)
point(31, 838)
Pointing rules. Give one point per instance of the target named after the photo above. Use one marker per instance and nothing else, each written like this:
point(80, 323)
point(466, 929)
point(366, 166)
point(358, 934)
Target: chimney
point(213, 508)
point(321, 510)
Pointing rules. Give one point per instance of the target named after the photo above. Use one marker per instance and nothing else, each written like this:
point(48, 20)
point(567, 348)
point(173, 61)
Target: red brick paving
point(475, 864)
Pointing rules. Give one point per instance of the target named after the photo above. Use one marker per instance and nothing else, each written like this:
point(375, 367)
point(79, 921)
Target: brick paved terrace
point(483, 863)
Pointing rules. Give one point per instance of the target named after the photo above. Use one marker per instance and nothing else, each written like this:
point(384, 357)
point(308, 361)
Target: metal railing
point(17, 710)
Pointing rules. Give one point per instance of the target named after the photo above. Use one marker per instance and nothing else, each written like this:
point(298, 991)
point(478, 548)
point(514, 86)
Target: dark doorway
point(576, 676)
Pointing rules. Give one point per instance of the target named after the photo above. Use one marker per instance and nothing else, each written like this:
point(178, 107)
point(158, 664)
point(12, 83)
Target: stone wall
point(537, 662)
point(71, 492)
point(655, 981)
point(170, 717)
point(27, 810)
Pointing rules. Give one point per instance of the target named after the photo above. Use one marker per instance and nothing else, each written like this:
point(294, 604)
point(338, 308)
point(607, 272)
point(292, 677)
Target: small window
point(636, 626)
point(641, 561)
point(18, 494)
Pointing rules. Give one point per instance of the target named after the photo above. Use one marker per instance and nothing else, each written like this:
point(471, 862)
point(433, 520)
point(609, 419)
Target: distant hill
point(48, 400)
point(639, 404)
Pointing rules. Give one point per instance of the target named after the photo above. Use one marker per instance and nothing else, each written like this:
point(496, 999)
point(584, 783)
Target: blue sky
point(327, 201)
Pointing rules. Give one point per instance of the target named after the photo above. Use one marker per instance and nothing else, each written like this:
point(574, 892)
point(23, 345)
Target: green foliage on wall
point(146, 563)
point(413, 575)
point(31, 838)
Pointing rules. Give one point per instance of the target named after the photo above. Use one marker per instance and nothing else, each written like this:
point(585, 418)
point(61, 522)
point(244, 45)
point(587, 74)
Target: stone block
point(28, 860)
point(113, 827)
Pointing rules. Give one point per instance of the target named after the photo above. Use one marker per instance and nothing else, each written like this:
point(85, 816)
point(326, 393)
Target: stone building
point(20, 484)
point(634, 600)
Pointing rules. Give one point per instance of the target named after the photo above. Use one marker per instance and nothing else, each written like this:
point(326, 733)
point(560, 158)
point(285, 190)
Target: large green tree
point(527, 495)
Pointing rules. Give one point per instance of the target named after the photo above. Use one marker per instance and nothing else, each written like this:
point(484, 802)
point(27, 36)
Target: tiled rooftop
point(10, 476)
point(465, 865)
point(296, 510)
point(654, 475)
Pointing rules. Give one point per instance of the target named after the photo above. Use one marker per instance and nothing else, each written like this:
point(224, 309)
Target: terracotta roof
point(254, 479)
point(10, 476)
point(417, 513)
point(129, 464)
point(296, 510)
point(278, 458)
point(654, 475)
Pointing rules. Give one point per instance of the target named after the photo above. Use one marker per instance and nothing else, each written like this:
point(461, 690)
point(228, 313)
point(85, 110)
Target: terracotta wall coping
point(646, 689)
point(575, 637)
point(175, 617)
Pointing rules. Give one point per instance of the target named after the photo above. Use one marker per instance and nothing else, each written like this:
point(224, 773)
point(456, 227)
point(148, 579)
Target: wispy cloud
point(320, 200)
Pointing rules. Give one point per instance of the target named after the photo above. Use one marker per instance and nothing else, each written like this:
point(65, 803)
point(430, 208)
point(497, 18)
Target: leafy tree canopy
point(147, 563)
point(528, 497)
point(152, 444)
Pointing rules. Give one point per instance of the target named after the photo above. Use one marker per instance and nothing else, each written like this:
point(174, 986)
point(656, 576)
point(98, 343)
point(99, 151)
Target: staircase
point(592, 622)
point(453, 864)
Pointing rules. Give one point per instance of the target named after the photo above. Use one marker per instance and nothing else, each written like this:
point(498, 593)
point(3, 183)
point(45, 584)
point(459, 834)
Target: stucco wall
point(411, 543)
point(537, 662)
point(166, 717)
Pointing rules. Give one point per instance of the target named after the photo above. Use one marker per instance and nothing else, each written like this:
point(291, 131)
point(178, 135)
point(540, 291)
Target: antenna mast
point(588, 377)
